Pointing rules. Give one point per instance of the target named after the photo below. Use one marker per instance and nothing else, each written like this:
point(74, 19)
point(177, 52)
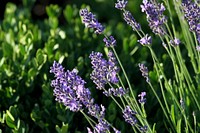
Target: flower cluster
point(69, 88)
point(110, 42)
point(96, 111)
point(143, 129)
point(102, 127)
point(131, 21)
point(175, 42)
point(142, 99)
point(129, 116)
point(118, 92)
point(198, 48)
point(90, 21)
point(144, 71)
point(192, 14)
point(155, 17)
point(121, 4)
point(146, 40)
point(103, 71)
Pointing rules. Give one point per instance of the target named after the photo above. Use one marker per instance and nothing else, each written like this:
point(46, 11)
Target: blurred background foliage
point(35, 33)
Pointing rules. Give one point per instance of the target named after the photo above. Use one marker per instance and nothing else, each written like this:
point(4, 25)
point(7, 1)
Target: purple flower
point(143, 129)
point(102, 127)
point(146, 40)
point(155, 17)
point(90, 21)
point(182, 103)
point(116, 131)
point(175, 42)
point(144, 71)
point(198, 48)
point(129, 116)
point(142, 99)
point(113, 69)
point(131, 21)
point(121, 4)
point(103, 71)
point(89, 130)
point(110, 42)
point(192, 14)
point(97, 111)
point(118, 92)
point(69, 88)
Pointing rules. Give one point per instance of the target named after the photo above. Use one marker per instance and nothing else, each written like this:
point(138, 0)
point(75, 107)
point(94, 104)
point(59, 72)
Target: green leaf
point(10, 120)
point(178, 127)
point(10, 9)
point(172, 114)
point(58, 129)
point(112, 112)
point(27, 38)
point(22, 49)
point(7, 50)
point(53, 10)
point(68, 13)
point(28, 3)
point(64, 128)
point(32, 72)
point(41, 57)
point(154, 128)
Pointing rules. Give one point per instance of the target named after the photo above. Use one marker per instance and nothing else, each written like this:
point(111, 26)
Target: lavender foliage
point(103, 71)
point(129, 116)
point(90, 21)
point(155, 17)
point(192, 14)
point(69, 88)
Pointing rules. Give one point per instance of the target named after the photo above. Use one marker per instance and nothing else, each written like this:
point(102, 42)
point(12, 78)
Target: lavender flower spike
point(198, 48)
point(175, 42)
point(155, 17)
point(96, 111)
point(90, 21)
point(121, 4)
point(110, 42)
point(142, 99)
point(131, 21)
point(102, 127)
point(192, 12)
point(118, 92)
point(69, 88)
point(103, 71)
point(128, 115)
point(144, 71)
point(146, 40)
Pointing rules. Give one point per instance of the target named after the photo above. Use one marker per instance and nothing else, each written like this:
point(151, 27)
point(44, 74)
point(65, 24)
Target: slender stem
point(166, 115)
point(90, 120)
point(127, 80)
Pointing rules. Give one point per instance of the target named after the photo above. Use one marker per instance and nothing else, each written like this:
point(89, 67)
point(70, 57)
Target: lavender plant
point(178, 96)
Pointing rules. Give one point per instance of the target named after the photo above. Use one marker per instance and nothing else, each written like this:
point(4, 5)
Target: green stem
point(88, 119)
